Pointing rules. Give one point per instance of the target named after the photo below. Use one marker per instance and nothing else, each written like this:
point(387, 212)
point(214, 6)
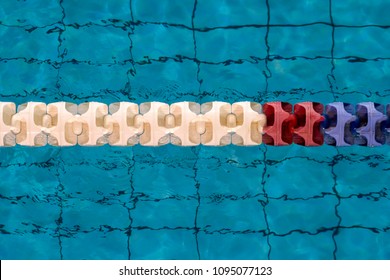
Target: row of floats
point(189, 124)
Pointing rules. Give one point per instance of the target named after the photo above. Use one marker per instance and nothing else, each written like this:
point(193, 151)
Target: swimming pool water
point(203, 202)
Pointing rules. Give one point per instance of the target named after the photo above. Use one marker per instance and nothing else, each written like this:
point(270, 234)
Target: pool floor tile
point(39, 44)
point(229, 42)
point(147, 42)
point(24, 82)
point(362, 244)
point(367, 211)
point(291, 74)
point(360, 12)
point(85, 11)
point(77, 216)
point(307, 41)
point(33, 13)
point(298, 12)
point(239, 85)
point(28, 215)
point(246, 246)
point(29, 246)
point(159, 214)
point(96, 80)
point(231, 214)
point(96, 44)
point(175, 82)
point(366, 43)
point(164, 11)
point(312, 216)
point(301, 183)
point(154, 179)
point(348, 171)
point(230, 13)
point(298, 246)
point(95, 246)
point(163, 244)
point(356, 81)
point(80, 182)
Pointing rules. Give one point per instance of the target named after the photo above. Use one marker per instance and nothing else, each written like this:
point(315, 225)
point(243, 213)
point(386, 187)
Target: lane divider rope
point(190, 124)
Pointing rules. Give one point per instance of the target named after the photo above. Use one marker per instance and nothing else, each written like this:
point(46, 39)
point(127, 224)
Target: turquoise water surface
point(172, 202)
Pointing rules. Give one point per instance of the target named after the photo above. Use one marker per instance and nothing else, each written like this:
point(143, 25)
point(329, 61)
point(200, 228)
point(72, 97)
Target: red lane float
point(303, 127)
point(280, 124)
point(307, 130)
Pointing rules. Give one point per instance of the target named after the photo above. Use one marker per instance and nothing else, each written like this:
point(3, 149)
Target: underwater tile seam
point(189, 124)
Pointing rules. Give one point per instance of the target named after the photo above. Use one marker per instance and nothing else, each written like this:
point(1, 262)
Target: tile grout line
point(195, 47)
point(335, 160)
point(60, 186)
point(132, 70)
point(196, 149)
point(240, 61)
point(197, 186)
point(332, 84)
point(132, 201)
point(204, 29)
point(267, 73)
point(331, 77)
point(58, 194)
point(64, 53)
point(265, 202)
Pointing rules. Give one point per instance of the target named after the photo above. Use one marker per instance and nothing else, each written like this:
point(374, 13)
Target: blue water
point(204, 202)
